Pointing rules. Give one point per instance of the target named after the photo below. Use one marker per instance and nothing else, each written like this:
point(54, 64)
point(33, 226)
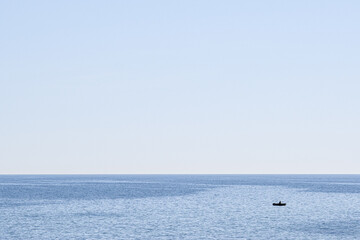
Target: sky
point(179, 87)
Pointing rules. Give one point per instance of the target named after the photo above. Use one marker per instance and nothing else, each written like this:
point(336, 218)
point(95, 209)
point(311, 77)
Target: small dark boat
point(279, 204)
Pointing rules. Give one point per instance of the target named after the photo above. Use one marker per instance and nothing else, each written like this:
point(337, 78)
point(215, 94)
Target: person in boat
point(279, 202)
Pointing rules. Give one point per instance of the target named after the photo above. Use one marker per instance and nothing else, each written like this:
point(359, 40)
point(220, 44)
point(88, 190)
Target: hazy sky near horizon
point(179, 86)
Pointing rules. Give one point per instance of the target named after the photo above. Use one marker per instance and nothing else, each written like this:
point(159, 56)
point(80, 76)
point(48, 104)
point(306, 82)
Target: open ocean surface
point(179, 207)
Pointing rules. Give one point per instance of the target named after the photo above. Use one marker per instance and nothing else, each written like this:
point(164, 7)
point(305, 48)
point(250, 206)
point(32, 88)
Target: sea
point(145, 207)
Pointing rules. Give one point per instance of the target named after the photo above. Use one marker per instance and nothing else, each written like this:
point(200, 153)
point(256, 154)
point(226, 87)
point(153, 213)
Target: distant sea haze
point(195, 207)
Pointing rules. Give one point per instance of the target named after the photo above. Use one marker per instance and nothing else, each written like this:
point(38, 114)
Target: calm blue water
point(179, 207)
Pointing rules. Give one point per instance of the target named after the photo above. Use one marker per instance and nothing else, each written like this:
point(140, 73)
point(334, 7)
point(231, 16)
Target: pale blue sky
point(179, 86)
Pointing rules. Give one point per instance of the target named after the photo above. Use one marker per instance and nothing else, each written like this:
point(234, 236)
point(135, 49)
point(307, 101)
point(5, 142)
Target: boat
point(279, 204)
